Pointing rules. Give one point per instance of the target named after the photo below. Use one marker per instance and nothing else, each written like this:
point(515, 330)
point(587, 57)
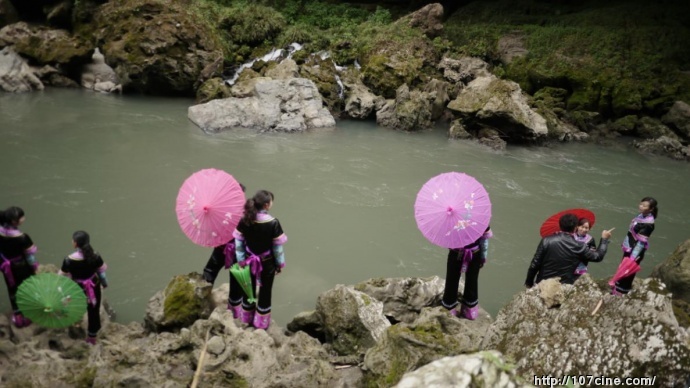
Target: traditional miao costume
point(224, 256)
point(261, 247)
point(90, 275)
point(468, 259)
point(591, 244)
point(17, 263)
point(635, 244)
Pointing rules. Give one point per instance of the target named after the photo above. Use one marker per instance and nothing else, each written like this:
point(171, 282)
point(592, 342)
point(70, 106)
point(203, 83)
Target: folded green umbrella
point(244, 278)
point(51, 300)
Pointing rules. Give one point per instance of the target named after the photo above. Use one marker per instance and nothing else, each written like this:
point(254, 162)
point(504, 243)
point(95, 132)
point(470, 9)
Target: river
point(112, 165)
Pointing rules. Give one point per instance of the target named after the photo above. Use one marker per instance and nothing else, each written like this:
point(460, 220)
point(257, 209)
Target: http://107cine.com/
point(591, 380)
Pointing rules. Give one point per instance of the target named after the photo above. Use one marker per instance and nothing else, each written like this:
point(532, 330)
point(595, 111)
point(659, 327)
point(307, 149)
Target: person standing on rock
point(582, 235)
point(636, 242)
point(468, 260)
point(86, 267)
point(559, 254)
point(224, 256)
point(259, 240)
point(17, 260)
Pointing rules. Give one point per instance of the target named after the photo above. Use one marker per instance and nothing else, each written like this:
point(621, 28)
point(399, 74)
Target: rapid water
point(112, 165)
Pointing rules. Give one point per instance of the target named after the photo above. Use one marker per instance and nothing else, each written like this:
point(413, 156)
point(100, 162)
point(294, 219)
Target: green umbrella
point(244, 278)
point(51, 300)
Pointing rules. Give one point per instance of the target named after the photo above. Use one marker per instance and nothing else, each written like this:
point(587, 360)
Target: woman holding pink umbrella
point(259, 240)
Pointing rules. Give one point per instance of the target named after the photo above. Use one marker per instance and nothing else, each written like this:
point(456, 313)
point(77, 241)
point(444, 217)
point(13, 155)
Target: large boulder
point(15, 73)
point(404, 298)
point(493, 102)
point(325, 76)
point(481, 369)
point(291, 105)
point(633, 336)
point(463, 70)
point(353, 321)
point(429, 19)
point(678, 118)
point(185, 299)
point(665, 146)
point(44, 46)
point(155, 46)
point(675, 272)
point(433, 335)
point(410, 111)
point(360, 102)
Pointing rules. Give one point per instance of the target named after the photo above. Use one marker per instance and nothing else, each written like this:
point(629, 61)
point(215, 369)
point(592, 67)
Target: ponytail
point(83, 242)
point(254, 205)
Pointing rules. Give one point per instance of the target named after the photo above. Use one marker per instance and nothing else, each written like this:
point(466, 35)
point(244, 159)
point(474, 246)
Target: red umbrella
point(626, 268)
point(550, 226)
point(209, 206)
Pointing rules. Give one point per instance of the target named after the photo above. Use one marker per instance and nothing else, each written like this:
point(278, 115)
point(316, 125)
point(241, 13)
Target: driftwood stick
point(200, 363)
point(598, 305)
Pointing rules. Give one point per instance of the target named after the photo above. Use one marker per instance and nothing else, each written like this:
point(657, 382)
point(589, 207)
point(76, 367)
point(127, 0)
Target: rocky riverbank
point(406, 71)
point(378, 333)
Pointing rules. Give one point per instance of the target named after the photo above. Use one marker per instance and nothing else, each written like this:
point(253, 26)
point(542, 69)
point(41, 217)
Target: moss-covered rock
point(675, 272)
point(406, 347)
point(155, 46)
point(185, 299)
point(212, 89)
point(625, 125)
point(410, 111)
point(324, 76)
point(45, 46)
point(651, 128)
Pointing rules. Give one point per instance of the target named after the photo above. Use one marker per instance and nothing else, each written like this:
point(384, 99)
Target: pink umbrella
point(452, 210)
point(209, 206)
point(626, 268)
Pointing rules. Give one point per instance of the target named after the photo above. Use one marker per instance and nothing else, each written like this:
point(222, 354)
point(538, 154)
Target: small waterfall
point(341, 87)
point(274, 55)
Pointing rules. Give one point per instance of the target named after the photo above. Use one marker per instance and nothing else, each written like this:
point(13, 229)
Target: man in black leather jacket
point(559, 254)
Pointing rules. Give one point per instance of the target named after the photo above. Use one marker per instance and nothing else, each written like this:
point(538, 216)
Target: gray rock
point(404, 298)
point(457, 130)
point(481, 369)
point(678, 118)
point(429, 19)
point(292, 105)
point(500, 104)
point(353, 321)
point(635, 335)
point(551, 292)
point(438, 97)
point(410, 111)
point(360, 102)
point(675, 272)
point(15, 74)
point(511, 46)
point(286, 69)
point(463, 70)
point(665, 146)
point(434, 335)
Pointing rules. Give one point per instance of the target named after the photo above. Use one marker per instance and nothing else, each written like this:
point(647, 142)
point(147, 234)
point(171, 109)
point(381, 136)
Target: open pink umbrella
point(452, 210)
point(209, 206)
point(626, 268)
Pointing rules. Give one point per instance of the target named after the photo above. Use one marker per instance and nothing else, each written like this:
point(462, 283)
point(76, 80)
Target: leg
point(624, 285)
point(470, 295)
point(450, 292)
point(215, 263)
point(20, 274)
point(262, 318)
point(94, 315)
point(235, 297)
point(247, 312)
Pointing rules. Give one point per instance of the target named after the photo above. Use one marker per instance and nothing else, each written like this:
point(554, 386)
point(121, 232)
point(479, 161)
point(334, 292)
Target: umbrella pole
point(200, 363)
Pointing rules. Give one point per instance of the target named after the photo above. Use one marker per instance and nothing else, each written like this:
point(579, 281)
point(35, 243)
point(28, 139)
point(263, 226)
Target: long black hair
point(83, 242)
point(255, 204)
point(10, 217)
point(652, 204)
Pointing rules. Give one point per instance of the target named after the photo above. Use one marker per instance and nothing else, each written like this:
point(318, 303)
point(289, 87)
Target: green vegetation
point(613, 57)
